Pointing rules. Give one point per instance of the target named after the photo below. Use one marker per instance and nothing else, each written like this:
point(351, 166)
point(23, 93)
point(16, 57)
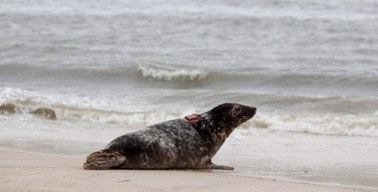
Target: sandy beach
point(75, 75)
point(24, 171)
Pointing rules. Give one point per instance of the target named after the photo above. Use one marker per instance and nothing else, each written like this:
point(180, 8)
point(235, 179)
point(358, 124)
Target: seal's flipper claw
point(104, 160)
point(220, 167)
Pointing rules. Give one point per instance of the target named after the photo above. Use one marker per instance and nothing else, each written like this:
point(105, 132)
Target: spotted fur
point(175, 144)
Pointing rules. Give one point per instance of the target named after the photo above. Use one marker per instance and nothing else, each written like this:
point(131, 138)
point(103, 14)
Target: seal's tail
point(104, 160)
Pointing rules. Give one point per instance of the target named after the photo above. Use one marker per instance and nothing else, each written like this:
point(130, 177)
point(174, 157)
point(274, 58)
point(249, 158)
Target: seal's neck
point(213, 132)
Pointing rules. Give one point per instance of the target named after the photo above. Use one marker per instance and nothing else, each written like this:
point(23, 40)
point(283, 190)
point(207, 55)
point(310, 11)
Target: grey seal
point(187, 143)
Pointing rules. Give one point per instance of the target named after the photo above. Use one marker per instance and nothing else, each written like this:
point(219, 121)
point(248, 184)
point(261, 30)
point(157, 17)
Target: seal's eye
point(236, 111)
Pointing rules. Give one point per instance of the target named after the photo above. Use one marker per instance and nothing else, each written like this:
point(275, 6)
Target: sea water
point(111, 67)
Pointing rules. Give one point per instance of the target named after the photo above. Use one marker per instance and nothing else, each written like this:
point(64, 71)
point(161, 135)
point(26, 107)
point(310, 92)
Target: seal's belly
point(161, 149)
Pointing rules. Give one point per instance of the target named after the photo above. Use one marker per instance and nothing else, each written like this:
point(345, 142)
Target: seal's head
point(228, 116)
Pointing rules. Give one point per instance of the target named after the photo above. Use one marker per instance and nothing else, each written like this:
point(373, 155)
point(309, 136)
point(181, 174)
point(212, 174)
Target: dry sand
point(24, 171)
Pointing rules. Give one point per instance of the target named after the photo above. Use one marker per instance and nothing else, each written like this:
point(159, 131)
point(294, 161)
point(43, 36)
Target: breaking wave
point(20, 103)
point(167, 73)
point(322, 124)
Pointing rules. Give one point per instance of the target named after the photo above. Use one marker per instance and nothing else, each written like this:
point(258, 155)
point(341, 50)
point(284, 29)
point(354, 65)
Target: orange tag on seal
point(193, 117)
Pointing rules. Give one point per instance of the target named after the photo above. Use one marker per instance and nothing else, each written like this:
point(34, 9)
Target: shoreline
point(30, 171)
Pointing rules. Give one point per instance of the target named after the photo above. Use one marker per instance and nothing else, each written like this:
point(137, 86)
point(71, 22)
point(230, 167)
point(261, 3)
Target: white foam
point(7, 94)
point(30, 99)
point(132, 112)
point(168, 74)
point(139, 114)
point(325, 124)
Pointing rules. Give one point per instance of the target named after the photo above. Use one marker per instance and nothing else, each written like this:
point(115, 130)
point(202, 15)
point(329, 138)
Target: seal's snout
point(253, 110)
point(250, 111)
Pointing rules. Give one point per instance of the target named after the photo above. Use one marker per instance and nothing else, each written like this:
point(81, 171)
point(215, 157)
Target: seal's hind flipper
point(104, 160)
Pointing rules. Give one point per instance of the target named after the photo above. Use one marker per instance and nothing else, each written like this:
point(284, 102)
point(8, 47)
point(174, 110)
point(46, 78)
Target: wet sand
point(24, 171)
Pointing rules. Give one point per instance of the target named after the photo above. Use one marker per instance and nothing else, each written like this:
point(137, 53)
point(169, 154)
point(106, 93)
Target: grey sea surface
point(111, 67)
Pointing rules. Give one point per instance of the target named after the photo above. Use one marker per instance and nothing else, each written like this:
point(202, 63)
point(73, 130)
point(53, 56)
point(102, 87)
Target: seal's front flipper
point(104, 160)
point(220, 167)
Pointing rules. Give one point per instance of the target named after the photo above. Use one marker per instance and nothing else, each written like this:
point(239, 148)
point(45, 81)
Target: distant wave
point(151, 71)
point(179, 76)
point(169, 73)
